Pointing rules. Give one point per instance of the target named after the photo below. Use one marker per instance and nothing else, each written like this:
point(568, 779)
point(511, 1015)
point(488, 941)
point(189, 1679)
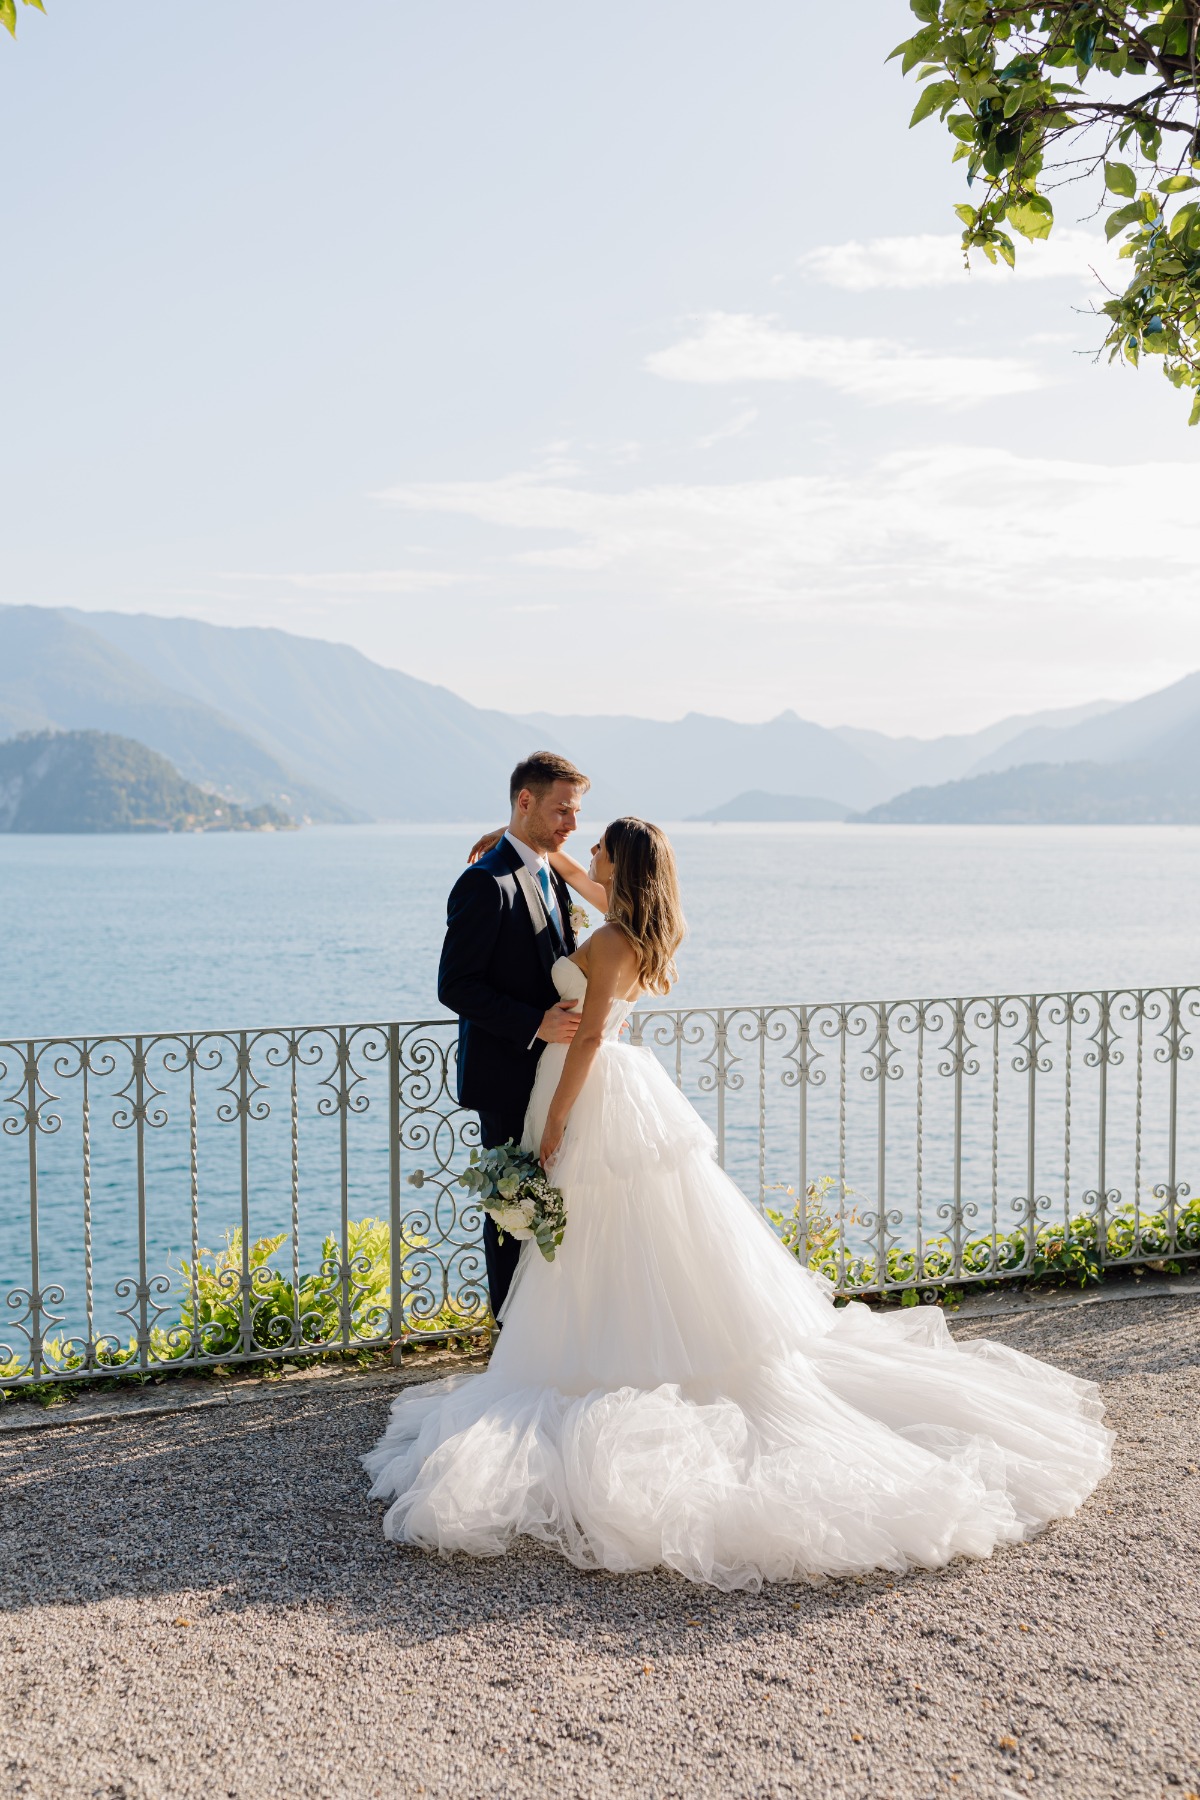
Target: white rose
point(512, 1220)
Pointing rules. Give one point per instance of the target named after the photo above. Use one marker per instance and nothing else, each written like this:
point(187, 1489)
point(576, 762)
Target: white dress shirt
point(535, 864)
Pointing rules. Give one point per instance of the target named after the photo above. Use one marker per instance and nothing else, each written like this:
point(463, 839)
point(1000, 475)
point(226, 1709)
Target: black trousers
point(501, 1258)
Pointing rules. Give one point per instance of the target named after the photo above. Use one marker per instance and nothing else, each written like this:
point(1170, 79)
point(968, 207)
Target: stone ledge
point(175, 1394)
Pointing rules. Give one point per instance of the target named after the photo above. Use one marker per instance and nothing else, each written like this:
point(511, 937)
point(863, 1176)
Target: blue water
point(343, 923)
point(162, 934)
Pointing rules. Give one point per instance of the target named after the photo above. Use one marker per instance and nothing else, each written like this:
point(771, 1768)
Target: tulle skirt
point(675, 1390)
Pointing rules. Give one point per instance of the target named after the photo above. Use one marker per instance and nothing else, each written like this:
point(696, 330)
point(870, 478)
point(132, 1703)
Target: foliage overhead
point(1035, 96)
point(8, 12)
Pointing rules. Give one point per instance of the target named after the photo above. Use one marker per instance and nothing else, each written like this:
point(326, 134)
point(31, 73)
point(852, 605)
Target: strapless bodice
point(571, 983)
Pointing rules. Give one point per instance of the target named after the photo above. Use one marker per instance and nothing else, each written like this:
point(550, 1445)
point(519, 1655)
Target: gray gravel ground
point(202, 1605)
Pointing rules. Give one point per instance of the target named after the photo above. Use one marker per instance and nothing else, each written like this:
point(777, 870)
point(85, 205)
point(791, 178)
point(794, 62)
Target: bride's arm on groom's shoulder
point(611, 970)
point(482, 845)
point(577, 877)
point(573, 873)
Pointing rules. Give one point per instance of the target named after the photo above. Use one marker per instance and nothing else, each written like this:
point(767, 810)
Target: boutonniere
point(579, 919)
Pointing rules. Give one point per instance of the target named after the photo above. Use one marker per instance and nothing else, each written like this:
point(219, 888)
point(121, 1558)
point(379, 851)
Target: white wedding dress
point(675, 1389)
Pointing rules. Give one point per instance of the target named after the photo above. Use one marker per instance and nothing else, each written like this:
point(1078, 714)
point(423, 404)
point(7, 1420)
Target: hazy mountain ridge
point(56, 673)
point(97, 781)
point(759, 808)
point(1078, 793)
point(1139, 729)
point(388, 745)
point(913, 760)
point(670, 769)
point(321, 731)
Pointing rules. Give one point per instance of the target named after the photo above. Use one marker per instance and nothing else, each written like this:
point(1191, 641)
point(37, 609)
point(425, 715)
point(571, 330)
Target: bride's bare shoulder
point(610, 951)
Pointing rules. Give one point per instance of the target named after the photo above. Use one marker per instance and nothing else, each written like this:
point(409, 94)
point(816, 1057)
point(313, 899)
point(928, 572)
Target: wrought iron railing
point(188, 1199)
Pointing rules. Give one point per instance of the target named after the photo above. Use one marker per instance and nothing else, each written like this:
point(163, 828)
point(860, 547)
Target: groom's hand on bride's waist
point(560, 1023)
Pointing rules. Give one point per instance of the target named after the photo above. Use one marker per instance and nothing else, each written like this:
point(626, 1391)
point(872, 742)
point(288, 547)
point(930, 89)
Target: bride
point(675, 1388)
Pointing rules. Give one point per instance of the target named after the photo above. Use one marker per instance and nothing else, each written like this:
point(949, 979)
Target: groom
point(507, 919)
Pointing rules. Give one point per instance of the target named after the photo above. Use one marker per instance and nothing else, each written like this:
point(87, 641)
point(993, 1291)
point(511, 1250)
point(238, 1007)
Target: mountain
point(756, 807)
point(671, 769)
point(322, 732)
point(906, 761)
point(56, 673)
point(389, 745)
point(1082, 793)
point(95, 781)
point(1145, 729)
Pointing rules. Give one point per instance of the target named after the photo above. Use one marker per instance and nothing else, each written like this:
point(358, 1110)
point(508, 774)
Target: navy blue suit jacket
point(495, 974)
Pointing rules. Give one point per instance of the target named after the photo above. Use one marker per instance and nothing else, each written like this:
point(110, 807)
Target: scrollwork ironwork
point(917, 1122)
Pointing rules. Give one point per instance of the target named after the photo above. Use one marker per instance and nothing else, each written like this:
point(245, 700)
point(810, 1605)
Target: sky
point(608, 359)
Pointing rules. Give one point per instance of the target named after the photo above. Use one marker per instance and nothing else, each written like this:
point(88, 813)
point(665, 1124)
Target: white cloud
point(936, 260)
point(355, 581)
point(949, 531)
point(741, 421)
point(745, 347)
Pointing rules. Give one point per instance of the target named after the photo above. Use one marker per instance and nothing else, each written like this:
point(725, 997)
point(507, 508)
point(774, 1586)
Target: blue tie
point(547, 892)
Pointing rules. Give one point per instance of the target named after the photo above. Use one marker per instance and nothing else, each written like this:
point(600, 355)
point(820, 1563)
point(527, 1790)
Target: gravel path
point(202, 1605)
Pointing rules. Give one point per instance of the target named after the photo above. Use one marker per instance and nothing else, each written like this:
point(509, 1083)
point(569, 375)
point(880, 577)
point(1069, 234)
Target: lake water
point(343, 923)
point(213, 933)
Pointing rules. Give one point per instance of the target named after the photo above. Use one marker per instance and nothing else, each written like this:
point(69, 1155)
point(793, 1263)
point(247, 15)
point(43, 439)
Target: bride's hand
point(487, 842)
point(551, 1144)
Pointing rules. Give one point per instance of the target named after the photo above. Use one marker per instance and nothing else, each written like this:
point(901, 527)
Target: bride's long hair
point(644, 899)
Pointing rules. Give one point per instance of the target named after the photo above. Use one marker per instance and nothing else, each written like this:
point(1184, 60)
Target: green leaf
point(938, 93)
point(1124, 216)
point(967, 214)
point(1194, 419)
point(1032, 216)
point(1120, 179)
point(8, 15)
point(1177, 184)
point(1182, 220)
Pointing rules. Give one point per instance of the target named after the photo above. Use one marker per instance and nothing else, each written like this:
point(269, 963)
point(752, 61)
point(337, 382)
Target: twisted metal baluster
point(36, 1328)
point(762, 1110)
point(1136, 1245)
point(246, 1322)
point(995, 1205)
point(882, 1075)
point(88, 1272)
point(956, 1217)
point(1102, 1133)
point(139, 1133)
point(919, 1263)
point(842, 1026)
point(197, 1344)
point(294, 1132)
point(1067, 1120)
point(803, 1127)
point(395, 1219)
point(344, 1276)
point(1031, 1135)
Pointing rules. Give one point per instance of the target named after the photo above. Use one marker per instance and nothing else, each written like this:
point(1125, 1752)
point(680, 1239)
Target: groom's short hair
point(540, 771)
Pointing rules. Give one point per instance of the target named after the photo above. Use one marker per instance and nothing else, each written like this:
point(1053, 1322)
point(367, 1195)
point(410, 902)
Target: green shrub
point(210, 1302)
point(1057, 1253)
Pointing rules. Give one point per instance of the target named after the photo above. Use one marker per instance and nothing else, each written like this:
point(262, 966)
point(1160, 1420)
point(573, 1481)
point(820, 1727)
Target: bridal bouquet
point(512, 1186)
